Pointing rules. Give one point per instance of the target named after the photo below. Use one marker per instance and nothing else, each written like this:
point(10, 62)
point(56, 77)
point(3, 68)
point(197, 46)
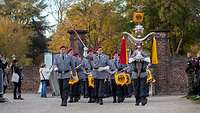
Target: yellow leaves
point(13, 38)
point(60, 37)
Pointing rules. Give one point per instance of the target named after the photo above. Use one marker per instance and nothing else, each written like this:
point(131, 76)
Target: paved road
point(157, 104)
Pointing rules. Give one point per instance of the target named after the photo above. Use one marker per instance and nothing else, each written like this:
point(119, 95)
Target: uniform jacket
point(64, 63)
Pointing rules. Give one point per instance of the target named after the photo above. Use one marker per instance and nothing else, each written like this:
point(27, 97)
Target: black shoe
point(92, 100)
point(64, 102)
point(122, 99)
point(144, 102)
point(71, 100)
point(137, 104)
point(100, 101)
point(76, 99)
point(119, 100)
point(15, 98)
point(20, 98)
point(114, 101)
point(97, 100)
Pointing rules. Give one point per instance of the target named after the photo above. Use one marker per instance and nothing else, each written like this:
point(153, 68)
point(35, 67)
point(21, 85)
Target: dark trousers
point(99, 88)
point(17, 90)
point(198, 84)
point(84, 88)
point(91, 91)
point(4, 89)
point(75, 90)
point(140, 88)
point(114, 89)
point(64, 88)
point(121, 91)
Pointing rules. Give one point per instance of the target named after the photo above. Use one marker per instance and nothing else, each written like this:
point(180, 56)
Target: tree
point(13, 38)
point(27, 13)
point(99, 19)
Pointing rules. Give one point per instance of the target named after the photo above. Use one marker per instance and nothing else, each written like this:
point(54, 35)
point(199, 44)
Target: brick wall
point(31, 80)
point(170, 72)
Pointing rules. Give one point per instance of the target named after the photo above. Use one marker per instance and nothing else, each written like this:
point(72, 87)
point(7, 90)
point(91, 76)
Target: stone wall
point(178, 77)
point(170, 72)
point(31, 80)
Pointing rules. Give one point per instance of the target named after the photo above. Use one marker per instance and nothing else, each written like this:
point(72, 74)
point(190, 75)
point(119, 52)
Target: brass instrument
point(149, 76)
point(90, 81)
point(72, 80)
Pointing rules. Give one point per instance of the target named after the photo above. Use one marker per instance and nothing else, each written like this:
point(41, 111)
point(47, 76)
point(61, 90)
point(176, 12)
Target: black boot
point(97, 100)
point(64, 102)
point(71, 100)
point(119, 99)
point(137, 102)
point(20, 98)
point(114, 100)
point(100, 101)
point(76, 99)
point(90, 100)
point(144, 101)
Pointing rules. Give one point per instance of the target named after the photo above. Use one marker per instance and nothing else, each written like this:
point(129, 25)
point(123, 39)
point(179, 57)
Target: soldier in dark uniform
point(88, 65)
point(138, 63)
point(75, 88)
point(63, 65)
point(101, 65)
point(115, 66)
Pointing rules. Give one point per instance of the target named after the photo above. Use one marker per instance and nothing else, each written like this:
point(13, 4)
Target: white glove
point(107, 68)
point(147, 59)
point(85, 52)
point(85, 48)
point(56, 69)
point(100, 69)
point(103, 68)
point(130, 60)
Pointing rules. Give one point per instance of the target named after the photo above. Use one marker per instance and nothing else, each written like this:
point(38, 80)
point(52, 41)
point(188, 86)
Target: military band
point(97, 75)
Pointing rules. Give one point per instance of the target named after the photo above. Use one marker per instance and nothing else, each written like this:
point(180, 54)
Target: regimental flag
point(123, 59)
point(154, 54)
point(138, 17)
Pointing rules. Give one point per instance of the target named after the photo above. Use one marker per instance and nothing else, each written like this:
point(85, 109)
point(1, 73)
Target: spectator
point(3, 65)
point(44, 77)
point(17, 85)
point(198, 75)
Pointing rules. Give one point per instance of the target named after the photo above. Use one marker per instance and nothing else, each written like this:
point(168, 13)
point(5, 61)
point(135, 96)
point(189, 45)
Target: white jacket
point(45, 73)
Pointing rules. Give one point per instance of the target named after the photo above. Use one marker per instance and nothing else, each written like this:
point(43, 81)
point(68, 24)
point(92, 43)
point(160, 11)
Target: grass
point(194, 98)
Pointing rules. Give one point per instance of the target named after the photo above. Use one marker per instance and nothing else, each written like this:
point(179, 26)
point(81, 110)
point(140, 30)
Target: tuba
point(72, 81)
point(120, 78)
point(90, 81)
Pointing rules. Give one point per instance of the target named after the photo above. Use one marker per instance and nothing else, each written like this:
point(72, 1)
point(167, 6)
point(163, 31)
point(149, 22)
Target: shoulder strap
point(42, 75)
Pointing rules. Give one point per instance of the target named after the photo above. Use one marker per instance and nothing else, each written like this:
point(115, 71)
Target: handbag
point(15, 77)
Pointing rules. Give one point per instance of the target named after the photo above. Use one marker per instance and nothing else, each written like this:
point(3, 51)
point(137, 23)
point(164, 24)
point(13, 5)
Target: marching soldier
point(101, 65)
point(88, 65)
point(75, 87)
point(115, 66)
point(138, 64)
point(64, 64)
